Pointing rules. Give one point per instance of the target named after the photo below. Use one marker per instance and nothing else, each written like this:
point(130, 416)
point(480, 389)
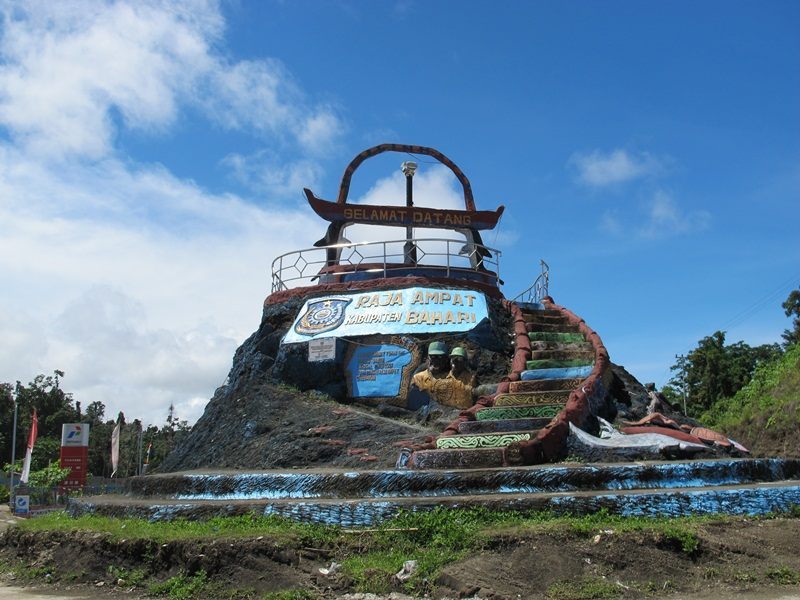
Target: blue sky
point(152, 158)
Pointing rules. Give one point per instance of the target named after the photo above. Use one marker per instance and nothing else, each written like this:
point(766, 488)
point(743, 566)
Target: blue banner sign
point(376, 371)
point(387, 312)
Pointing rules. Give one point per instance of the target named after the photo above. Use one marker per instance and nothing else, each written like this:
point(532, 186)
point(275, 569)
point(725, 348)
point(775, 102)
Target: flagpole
point(14, 440)
point(139, 450)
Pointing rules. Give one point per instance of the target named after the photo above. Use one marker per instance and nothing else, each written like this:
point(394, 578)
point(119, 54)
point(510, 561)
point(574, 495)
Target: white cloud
point(135, 282)
point(659, 217)
point(664, 218)
point(319, 130)
point(263, 172)
point(139, 310)
point(69, 69)
point(598, 169)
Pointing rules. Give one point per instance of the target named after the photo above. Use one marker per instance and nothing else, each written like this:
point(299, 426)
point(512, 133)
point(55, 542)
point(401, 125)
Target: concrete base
point(348, 498)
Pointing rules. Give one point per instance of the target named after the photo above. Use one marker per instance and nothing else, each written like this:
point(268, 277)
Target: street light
point(410, 250)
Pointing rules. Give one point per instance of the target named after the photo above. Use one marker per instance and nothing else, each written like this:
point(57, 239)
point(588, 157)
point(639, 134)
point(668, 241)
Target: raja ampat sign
point(386, 312)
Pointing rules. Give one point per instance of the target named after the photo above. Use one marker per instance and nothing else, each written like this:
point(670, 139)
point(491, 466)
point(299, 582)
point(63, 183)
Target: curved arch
point(344, 187)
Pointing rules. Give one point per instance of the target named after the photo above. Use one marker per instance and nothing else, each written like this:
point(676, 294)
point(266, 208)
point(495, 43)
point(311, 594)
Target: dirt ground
point(745, 558)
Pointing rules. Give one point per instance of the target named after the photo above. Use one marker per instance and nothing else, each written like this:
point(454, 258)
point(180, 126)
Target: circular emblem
point(322, 315)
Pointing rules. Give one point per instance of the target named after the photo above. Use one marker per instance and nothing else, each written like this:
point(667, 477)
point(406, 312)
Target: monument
point(361, 342)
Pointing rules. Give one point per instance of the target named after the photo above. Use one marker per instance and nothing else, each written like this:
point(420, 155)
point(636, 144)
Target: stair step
point(550, 363)
point(532, 398)
point(520, 411)
point(482, 440)
point(551, 328)
point(541, 346)
point(479, 458)
point(529, 307)
point(587, 355)
point(556, 336)
point(541, 385)
point(538, 317)
point(560, 373)
point(503, 425)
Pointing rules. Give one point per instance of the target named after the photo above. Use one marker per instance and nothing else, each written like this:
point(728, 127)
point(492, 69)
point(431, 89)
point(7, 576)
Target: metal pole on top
point(410, 249)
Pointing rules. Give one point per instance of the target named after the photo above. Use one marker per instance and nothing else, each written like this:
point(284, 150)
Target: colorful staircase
point(555, 358)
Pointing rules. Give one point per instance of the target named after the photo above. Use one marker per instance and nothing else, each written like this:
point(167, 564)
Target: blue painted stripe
point(406, 483)
point(757, 499)
point(560, 373)
point(753, 501)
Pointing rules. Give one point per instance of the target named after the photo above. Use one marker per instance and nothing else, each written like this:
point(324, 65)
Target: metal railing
point(445, 257)
point(539, 289)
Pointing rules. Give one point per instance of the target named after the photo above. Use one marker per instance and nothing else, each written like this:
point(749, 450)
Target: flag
point(115, 447)
point(26, 466)
point(147, 458)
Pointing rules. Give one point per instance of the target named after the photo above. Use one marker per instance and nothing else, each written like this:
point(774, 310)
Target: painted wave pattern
point(537, 398)
point(519, 412)
point(481, 441)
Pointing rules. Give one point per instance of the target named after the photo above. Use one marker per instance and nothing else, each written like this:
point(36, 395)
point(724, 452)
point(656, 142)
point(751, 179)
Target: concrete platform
point(733, 486)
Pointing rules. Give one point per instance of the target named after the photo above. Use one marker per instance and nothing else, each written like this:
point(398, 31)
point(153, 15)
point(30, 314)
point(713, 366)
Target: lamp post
point(410, 250)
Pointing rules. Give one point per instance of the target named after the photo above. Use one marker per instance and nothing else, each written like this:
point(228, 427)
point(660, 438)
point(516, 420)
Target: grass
point(783, 576)
point(370, 558)
point(133, 577)
point(290, 595)
point(182, 529)
point(181, 586)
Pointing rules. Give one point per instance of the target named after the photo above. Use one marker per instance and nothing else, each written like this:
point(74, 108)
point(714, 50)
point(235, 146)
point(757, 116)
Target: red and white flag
point(26, 466)
point(115, 447)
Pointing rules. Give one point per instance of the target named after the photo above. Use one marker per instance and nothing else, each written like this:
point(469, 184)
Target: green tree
point(713, 370)
point(166, 438)
point(53, 406)
point(792, 309)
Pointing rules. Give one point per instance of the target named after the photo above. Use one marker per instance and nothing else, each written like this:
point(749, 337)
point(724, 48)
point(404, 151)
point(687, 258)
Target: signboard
point(75, 434)
point(74, 454)
point(377, 371)
point(321, 349)
point(403, 216)
point(22, 505)
point(409, 310)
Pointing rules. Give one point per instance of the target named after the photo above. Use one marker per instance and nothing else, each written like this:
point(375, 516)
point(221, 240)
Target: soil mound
point(727, 557)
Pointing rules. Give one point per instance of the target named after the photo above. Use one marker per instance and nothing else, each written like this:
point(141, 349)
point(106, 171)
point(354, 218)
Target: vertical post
point(14, 440)
point(139, 451)
point(410, 250)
